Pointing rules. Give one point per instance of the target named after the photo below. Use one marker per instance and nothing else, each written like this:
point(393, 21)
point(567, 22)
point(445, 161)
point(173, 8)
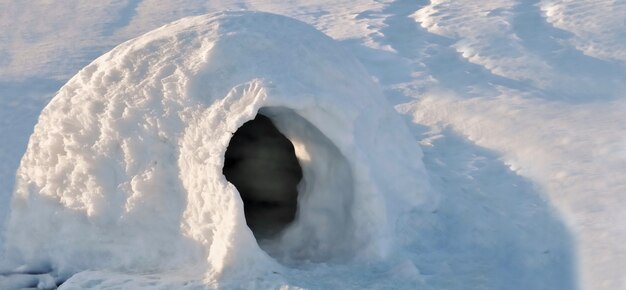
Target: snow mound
point(124, 170)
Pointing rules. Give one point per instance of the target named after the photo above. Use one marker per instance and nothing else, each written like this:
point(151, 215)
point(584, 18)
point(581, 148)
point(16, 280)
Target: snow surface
point(124, 168)
point(517, 105)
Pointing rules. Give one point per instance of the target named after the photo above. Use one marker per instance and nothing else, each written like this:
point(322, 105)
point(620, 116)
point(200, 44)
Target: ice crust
point(124, 169)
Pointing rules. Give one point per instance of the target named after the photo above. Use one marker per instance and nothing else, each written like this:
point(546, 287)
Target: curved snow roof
point(124, 168)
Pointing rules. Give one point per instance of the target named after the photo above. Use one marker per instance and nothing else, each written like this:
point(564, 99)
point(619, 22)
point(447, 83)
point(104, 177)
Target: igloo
point(232, 144)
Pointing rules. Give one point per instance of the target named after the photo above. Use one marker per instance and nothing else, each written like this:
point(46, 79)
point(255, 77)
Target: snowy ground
point(517, 105)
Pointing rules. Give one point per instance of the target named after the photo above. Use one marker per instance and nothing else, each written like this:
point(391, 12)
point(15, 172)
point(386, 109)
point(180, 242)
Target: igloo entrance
point(261, 163)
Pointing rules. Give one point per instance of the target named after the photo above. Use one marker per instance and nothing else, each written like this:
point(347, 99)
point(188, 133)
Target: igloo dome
point(234, 144)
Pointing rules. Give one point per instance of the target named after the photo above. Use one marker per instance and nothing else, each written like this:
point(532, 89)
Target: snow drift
point(124, 170)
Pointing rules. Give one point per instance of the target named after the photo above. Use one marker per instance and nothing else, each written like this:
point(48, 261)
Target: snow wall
point(124, 169)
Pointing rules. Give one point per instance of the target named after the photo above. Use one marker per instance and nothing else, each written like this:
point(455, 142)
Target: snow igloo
point(234, 144)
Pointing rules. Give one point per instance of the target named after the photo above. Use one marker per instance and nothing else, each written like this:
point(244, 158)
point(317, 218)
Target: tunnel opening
point(261, 163)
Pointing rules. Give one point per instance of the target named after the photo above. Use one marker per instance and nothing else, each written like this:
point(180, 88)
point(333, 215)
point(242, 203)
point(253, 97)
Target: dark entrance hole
point(261, 163)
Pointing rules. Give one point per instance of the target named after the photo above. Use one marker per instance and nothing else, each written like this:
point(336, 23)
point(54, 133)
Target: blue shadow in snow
point(493, 230)
point(21, 103)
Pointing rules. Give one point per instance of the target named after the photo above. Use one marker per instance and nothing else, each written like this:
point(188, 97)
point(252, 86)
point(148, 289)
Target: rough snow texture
point(504, 147)
point(488, 40)
point(565, 130)
point(124, 169)
point(601, 37)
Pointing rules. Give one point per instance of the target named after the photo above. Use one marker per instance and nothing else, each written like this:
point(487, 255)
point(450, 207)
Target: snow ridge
point(598, 26)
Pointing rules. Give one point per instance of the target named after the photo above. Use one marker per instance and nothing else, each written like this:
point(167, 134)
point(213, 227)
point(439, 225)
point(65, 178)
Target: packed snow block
point(128, 168)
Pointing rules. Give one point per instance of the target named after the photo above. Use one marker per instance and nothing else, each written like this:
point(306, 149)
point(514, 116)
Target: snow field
point(516, 104)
